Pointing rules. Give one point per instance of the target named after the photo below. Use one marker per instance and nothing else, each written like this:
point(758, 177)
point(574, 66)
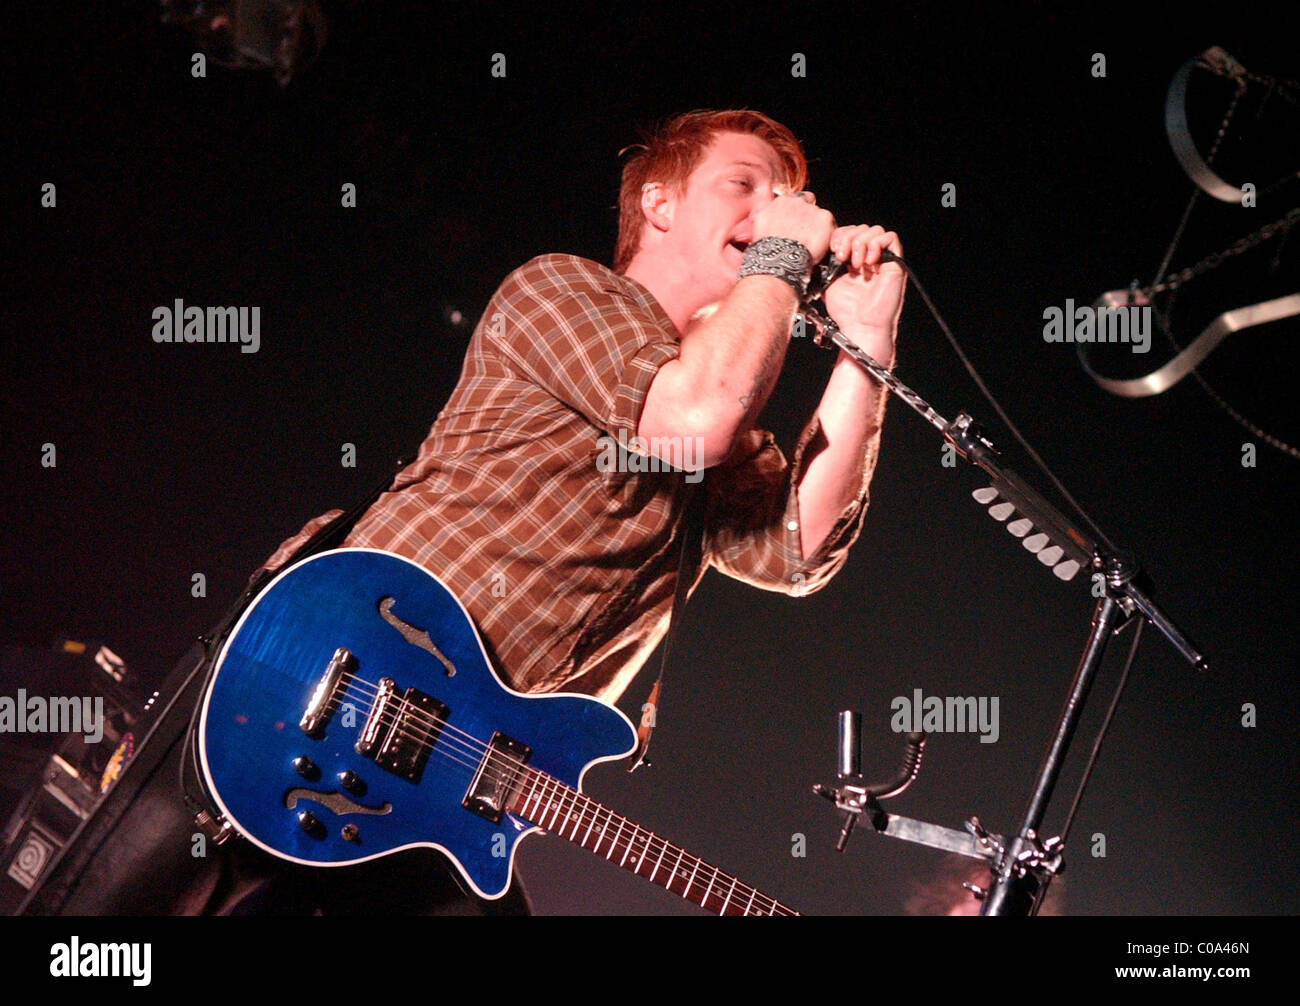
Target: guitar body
point(302, 790)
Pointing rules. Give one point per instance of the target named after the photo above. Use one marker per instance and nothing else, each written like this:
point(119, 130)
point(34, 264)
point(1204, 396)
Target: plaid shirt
point(567, 568)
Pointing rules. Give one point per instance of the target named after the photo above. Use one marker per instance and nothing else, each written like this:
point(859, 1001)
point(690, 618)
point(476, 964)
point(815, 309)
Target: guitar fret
point(645, 838)
point(718, 879)
point(727, 901)
point(574, 815)
point(614, 843)
point(681, 854)
point(558, 814)
point(608, 821)
point(591, 824)
point(555, 812)
point(657, 862)
point(717, 875)
point(645, 852)
point(704, 900)
point(628, 850)
point(556, 801)
point(562, 817)
point(543, 781)
point(577, 807)
point(532, 793)
point(750, 904)
point(543, 797)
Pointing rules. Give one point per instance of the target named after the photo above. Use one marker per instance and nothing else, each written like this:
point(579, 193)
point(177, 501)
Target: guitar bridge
point(401, 730)
point(321, 706)
point(497, 777)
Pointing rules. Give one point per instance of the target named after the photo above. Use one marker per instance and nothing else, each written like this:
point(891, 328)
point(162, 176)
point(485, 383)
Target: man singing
point(569, 570)
point(568, 566)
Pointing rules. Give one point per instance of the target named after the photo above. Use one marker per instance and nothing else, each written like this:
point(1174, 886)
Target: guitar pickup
point(321, 706)
point(401, 730)
point(497, 778)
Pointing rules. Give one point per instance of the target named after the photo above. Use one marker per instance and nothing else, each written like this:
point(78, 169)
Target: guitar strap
point(692, 528)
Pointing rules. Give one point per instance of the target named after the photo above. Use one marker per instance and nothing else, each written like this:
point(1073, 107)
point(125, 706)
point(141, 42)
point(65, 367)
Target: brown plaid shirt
point(569, 570)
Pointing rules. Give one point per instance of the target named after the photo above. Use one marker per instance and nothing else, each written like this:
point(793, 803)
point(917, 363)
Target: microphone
point(829, 269)
point(826, 272)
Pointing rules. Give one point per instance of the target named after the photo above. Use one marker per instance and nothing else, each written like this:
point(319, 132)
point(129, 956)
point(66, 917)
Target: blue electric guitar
point(353, 713)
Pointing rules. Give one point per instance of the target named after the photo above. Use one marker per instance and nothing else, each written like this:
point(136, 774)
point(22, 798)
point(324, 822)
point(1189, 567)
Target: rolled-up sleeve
point(590, 344)
point(752, 521)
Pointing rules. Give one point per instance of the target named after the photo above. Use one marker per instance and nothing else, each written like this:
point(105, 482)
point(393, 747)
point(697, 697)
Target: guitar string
point(553, 791)
point(590, 812)
point(549, 794)
point(722, 887)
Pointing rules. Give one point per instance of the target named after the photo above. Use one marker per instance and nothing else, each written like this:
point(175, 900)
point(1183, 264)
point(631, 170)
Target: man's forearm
point(851, 413)
point(726, 369)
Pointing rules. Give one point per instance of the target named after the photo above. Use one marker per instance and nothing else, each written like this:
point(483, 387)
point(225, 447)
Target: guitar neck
point(563, 810)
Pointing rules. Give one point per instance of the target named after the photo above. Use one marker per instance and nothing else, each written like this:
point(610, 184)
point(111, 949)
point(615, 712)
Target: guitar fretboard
point(562, 810)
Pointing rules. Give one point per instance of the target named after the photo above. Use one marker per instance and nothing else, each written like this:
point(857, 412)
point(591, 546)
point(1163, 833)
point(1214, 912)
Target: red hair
point(671, 151)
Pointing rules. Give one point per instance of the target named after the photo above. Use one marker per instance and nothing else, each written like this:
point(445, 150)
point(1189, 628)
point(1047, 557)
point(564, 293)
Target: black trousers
point(137, 854)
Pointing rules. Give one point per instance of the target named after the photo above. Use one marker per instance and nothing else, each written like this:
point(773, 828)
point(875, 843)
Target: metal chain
point(1244, 244)
point(1281, 445)
point(1277, 85)
point(1196, 192)
point(1227, 120)
point(1283, 85)
point(1216, 259)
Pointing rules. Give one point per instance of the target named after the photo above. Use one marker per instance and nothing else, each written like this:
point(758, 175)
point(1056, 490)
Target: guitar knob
point(351, 782)
point(306, 768)
point(351, 833)
point(310, 823)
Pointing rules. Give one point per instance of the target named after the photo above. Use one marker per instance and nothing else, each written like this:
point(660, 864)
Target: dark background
point(176, 459)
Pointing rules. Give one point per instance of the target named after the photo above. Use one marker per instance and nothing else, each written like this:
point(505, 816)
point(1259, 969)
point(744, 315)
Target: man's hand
point(798, 218)
point(867, 299)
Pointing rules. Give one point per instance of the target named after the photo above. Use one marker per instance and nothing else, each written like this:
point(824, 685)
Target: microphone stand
point(1022, 866)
